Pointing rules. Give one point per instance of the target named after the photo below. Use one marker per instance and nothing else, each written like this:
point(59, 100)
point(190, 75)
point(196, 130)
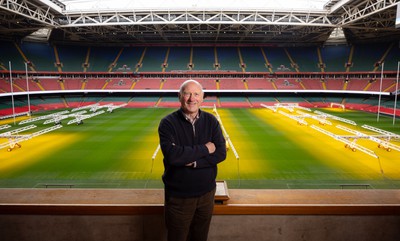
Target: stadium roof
point(79, 5)
point(281, 22)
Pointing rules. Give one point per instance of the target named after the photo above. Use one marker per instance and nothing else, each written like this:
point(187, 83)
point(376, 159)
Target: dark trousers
point(188, 219)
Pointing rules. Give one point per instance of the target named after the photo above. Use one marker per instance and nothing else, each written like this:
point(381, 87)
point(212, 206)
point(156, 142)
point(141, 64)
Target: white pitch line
point(347, 142)
point(226, 134)
point(155, 152)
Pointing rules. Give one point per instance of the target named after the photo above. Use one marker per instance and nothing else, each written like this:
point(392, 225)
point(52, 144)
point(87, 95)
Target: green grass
point(114, 150)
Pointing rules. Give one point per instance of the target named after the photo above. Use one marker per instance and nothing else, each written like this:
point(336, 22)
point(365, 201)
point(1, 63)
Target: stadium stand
point(100, 59)
point(278, 59)
point(117, 100)
point(143, 101)
point(178, 59)
point(335, 57)
point(208, 84)
point(253, 59)
point(10, 54)
point(307, 56)
point(172, 84)
point(228, 59)
point(6, 87)
point(72, 58)
point(388, 85)
point(203, 58)
point(333, 84)
point(41, 56)
point(392, 58)
point(72, 83)
point(287, 84)
point(153, 59)
point(259, 84)
point(97, 84)
point(210, 101)
point(356, 84)
point(312, 84)
point(129, 59)
point(169, 101)
point(227, 102)
point(290, 99)
point(32, 84)
point(73, 67)
point(119, 84)
point(48, 83)
point(148, 83)
point(367, 56)
point(231, 84)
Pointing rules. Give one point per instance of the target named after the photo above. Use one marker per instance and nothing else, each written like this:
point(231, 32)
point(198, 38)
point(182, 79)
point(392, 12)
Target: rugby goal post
point(337, 105)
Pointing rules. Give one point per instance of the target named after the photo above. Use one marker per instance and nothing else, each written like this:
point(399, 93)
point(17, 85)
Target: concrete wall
point(223, 228)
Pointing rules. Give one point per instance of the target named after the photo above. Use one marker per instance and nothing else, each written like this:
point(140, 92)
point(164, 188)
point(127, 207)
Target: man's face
point(191, 98)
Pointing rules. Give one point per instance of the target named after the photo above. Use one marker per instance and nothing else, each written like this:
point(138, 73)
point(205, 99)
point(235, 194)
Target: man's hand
point(211, 147)
point(192, 164)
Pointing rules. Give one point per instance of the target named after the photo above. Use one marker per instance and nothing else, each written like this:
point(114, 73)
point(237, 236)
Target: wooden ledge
point(242, 202)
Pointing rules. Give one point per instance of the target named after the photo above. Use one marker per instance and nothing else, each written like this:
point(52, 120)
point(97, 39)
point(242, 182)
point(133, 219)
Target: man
point(192, 143)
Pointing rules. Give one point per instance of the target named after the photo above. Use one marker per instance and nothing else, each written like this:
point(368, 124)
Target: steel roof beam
point(29, 10)
point(198, 17)
point(364, 9)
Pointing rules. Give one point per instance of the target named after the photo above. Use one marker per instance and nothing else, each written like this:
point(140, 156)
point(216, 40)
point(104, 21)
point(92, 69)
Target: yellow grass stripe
point(329, 151)
point(34, 150)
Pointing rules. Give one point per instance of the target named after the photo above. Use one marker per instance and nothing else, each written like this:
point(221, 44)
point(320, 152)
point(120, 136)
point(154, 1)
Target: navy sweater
point(182, 144)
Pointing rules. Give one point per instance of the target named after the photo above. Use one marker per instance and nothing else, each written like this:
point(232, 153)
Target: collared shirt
point(192, 121)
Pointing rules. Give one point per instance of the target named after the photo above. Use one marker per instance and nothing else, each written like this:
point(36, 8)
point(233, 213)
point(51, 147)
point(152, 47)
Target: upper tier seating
point(305, 59)
point(203, 58)
point(335, 57)
point(253, 59)
point(71, 58)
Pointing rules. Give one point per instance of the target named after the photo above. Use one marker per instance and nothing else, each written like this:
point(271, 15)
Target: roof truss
point(198, 17)
point(29, 10)
point(200, 26)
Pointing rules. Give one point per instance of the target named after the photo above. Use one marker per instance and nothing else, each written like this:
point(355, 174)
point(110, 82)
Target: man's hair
point(183, 85)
